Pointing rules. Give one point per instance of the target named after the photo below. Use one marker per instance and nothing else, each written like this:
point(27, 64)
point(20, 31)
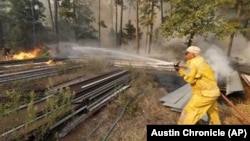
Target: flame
point(53, 62)
point(27, 55)
point(50, 62)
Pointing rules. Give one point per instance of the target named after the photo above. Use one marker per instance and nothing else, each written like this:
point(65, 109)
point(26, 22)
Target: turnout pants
point(197, 107)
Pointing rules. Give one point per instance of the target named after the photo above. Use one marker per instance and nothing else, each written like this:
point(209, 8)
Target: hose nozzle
point(177, 66)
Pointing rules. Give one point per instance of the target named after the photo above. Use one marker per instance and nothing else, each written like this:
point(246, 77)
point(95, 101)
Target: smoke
point(241, 49)
point(108, 16)
point(215, 50)
point(218, 61)
point(245, 54)
point(76, 51)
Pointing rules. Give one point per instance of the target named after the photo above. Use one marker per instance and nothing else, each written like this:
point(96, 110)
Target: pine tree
point(22, 20)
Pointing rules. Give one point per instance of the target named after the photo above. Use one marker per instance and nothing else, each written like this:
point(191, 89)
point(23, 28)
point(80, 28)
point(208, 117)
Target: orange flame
point(50, 62)
point(27, 55)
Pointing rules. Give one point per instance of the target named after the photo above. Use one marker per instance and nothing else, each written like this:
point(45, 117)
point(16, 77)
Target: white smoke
point(218, 61)
point(245, 54)
point(241, 49)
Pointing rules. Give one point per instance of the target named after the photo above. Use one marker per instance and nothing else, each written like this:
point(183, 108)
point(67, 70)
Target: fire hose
point(177, 66)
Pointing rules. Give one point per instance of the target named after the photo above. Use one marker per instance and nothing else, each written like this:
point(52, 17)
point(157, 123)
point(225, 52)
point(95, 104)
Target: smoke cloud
point(241, 49)
point(218, 61)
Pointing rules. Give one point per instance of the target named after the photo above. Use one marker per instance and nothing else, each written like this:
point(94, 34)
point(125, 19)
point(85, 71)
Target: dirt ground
point(147, 110)
point(144, 110)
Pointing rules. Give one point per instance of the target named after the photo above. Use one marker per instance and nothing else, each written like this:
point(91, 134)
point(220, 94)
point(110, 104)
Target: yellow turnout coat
point(205, 92)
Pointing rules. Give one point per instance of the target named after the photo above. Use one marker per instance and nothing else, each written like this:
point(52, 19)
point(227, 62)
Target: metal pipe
point(233, 106)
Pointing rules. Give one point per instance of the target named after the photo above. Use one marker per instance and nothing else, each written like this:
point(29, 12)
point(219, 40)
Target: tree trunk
point(99, 21)
point(75, 19)
point(147, 36)
point(151, 28)
point(116, 18)
point(190, 39)
point(230, 45)
point(245, 26)
point(56, 27)
point(137, 29)
point(112, 23)
point(162, 17)
point(33, 22)
point(1, 36)
point(111, 9)
point(51, 15)
point(120, 37)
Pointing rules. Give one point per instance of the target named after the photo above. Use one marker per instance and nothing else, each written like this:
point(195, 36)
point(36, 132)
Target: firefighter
point(205, 91)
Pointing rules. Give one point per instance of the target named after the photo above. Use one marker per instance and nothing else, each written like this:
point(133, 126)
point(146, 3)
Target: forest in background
point(26, 24)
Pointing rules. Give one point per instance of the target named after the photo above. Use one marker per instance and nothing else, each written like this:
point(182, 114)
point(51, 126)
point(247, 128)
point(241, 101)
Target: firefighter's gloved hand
point(177, 66)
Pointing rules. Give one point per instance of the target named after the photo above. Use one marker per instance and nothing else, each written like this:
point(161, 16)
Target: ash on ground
point(168, 80)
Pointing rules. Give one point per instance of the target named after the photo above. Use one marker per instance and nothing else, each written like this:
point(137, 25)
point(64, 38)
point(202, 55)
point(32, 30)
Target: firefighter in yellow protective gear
point(205, 91)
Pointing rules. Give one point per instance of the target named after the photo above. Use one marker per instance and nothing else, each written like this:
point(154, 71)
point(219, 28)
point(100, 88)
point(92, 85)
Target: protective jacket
point(205, 92)
point(201, 77)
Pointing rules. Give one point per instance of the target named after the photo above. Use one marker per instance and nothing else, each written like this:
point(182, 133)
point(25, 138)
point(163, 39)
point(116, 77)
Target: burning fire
point(50, 62)
point(32, 54)
point(27, 55)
